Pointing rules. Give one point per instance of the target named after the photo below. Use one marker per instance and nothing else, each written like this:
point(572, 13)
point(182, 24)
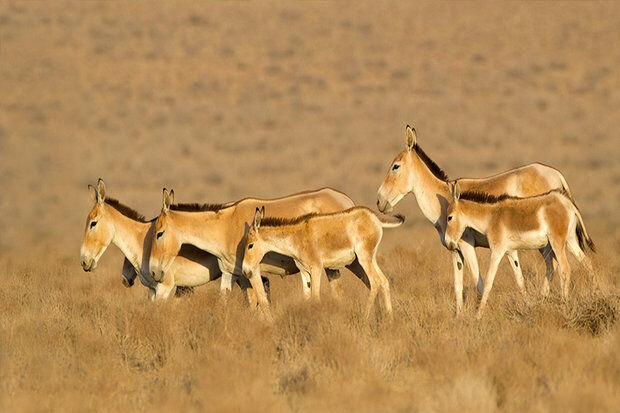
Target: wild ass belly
point(338, 258)
point(527, 240)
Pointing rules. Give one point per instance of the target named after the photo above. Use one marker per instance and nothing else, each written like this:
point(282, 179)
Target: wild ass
point(412, 171)
point(109, 221)
point(317, 241)
point(548, 222)
point(220, 230)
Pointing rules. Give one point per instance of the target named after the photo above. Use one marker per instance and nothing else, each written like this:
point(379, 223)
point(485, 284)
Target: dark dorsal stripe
point(432, 166)
point(279, 222)
point(484, 198)
point(199, 207)
point(125, 210)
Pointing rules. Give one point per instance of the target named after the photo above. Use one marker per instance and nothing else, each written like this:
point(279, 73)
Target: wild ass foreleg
point(457, 264)
point(333, 276)
point(548, 256)
point(306, 283)
point(263, 303)
point(513, 258)
point(496, 257)
point(226, 282)
point(469, 256)
point(316, 275)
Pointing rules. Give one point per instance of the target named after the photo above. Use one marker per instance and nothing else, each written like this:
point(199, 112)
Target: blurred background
point(223, 101)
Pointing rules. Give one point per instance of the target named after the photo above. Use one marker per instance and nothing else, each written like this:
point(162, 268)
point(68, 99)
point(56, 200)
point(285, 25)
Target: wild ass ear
point(258, 215)
point(456, 190)
point(168, 199)
point(262, 212)
point(411, 137)
point(93, 193)
point(100, 191)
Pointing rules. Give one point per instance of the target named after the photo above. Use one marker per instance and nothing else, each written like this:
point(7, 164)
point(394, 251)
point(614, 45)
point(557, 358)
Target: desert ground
point(226, 100)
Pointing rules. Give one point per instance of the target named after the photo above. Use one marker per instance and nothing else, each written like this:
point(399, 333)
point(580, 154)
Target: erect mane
point(125, 210)
point(194, 207)
point(484, 198)
point(279, 222)
point(432, 166)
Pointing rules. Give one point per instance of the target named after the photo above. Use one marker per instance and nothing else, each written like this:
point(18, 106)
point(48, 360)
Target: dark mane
point(199, 207)
point(484, 198)
point(278, 222)
point(125, 210)
point(434, 168)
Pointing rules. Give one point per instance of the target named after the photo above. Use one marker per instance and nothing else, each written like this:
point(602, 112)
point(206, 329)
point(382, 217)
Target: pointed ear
point(262, 212)
point(93, 192)
point(100, 190)
point(167, 201)
point(456, 190)
point(411, 137)
point(257, 218)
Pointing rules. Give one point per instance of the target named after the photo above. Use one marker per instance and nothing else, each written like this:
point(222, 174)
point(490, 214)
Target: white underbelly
point(527, 240)
point(192, 278)
point(336, 259)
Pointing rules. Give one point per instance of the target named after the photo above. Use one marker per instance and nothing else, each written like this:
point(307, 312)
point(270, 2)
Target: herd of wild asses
point(318, 232)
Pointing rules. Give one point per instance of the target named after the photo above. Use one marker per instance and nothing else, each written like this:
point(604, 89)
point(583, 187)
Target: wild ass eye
point(159, 234)
point(250, 246)
point(450, 218)
point(395, 167)
point(92, 224)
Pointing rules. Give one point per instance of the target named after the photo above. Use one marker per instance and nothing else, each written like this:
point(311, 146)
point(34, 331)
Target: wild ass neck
point(430, 191)
point(280, 239)
point(476, 215)
point(129, 236)
point(205, 230)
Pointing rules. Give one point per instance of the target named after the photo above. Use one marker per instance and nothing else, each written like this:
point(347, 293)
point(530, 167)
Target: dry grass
point(270, 98)
point(73, 341)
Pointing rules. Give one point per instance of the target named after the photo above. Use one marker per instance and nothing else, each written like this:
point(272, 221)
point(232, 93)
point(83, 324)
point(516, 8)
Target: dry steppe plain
point(221, 101)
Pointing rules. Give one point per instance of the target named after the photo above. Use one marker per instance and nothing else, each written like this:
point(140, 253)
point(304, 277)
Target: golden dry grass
point(264, 99)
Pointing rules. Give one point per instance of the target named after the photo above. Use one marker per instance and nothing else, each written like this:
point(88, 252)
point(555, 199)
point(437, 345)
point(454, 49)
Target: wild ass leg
point(457, 263)
point(469, 256)
point(163, 289)
point(575, 249)
point(306, 283)
point(496, 257)
point(226, 282)
point(560, 253)
point(548, 255)
point(333, 276)
point(513, 258)
point(360, 271)
point(385, 287)
point(263, 303)
point(316, 275)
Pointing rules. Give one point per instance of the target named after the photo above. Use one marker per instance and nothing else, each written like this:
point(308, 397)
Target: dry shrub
point(593, 314)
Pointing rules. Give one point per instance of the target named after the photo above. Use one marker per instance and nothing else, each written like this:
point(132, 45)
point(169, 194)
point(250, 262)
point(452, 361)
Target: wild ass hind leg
point(457, 264)
point(361, 272)
point(573, 246)
point(513, 258)
point(385, 287)
point(469, 256)
point(496, 257)
point(564, 268)
point(549, 257)
point(333, 276)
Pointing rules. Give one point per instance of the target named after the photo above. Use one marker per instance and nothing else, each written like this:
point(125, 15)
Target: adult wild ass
point(109, 221)
point(548, 222)
point(412, 171)
point(221, 229)
point(317, 241)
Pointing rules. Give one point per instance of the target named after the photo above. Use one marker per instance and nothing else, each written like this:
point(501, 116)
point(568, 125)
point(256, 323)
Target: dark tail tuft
point(584, 239)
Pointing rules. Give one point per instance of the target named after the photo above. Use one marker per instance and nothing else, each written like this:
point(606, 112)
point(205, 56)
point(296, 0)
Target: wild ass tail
point(566, 189)
point(582, 234)
point(391, 221)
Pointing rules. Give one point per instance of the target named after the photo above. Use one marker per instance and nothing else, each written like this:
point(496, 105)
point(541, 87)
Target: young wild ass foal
point(221, 229)
point(317, 241)
point(547, 222)
point(412, 171)
point(109, 221)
